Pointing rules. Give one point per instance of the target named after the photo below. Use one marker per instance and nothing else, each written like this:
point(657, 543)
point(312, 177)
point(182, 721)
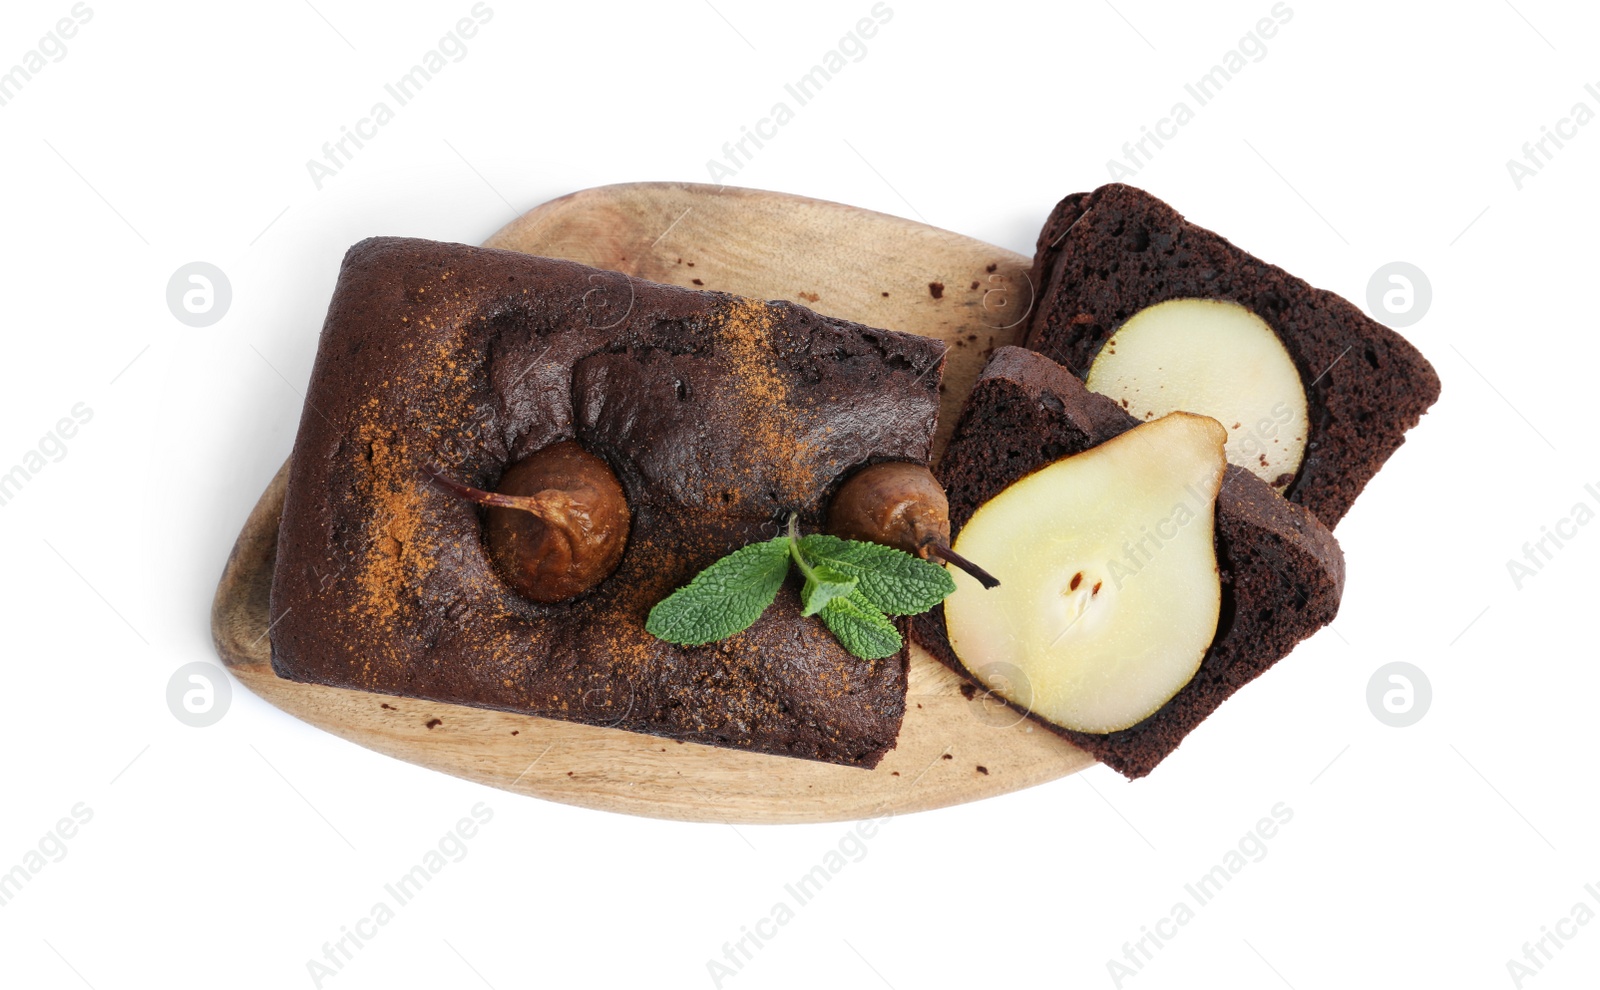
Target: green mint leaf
point(892, 580)
point(823, 583)
point(822, 586)
point(725, 598)
point(861, 627)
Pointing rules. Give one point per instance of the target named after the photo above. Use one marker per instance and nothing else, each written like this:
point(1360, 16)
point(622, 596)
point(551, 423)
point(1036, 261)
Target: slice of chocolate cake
point(1281, 570)
point(718, 415)
point(1106, 256)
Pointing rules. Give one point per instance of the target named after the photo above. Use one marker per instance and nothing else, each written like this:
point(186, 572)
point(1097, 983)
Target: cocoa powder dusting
point(395, 561)
point(767, 418)
point(401, 550)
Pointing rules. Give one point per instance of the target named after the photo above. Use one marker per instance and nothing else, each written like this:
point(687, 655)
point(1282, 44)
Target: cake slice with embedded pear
point(1206, 577)
point(1162, 314)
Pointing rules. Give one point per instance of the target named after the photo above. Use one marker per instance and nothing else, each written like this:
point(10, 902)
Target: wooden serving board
point(868, 267)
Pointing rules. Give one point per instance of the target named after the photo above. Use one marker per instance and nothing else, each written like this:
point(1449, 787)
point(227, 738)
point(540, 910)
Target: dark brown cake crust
point(1105, 255)
point(719, 416)
point(1282, 571)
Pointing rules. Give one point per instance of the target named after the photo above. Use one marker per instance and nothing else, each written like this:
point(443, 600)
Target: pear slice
point(1109, 593)
point(1219, 359)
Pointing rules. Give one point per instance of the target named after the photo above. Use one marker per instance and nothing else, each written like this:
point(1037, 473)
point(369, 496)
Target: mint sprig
point(852, 585)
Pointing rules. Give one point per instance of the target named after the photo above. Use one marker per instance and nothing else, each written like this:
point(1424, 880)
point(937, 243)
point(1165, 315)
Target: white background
point(226, 856)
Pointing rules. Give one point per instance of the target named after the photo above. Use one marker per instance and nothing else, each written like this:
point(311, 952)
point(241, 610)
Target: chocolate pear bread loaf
point(1107, 255)
point(719, 416)
point(1281, 570)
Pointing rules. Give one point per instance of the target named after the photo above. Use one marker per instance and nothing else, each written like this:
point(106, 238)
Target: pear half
point(1219, 359)
point(1109, 592)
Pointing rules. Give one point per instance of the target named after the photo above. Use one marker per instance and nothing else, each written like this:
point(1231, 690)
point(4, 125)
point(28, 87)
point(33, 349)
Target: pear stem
point(982, 576)
point(540, 504)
